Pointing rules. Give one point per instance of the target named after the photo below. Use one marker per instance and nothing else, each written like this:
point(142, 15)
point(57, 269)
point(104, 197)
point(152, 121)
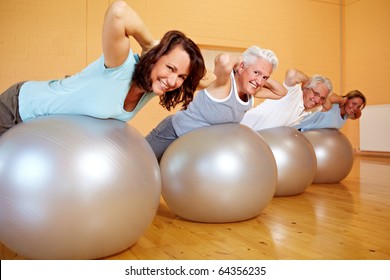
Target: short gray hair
point(315, 79)
point(255, 51)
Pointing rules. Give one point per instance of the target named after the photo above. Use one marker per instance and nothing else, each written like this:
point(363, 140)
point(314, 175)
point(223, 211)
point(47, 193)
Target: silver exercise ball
point(74, 187)
point(218, 174)
point(295, 159)
point(334, 154)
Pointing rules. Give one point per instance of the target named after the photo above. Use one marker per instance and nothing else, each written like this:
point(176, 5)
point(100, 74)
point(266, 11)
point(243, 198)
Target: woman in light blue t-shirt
point(345, 107)
point(119, 83)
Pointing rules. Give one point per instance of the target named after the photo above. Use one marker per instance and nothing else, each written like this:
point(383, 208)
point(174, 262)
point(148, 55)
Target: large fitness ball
point(334, 154)
point(295, 159)
point(217, 174)
point(74, 187)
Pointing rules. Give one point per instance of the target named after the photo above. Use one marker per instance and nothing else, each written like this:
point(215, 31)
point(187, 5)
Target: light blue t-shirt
point(328, 119)
point(96, 91)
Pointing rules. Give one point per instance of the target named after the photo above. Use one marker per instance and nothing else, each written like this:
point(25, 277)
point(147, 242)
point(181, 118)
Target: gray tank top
point(205, 110)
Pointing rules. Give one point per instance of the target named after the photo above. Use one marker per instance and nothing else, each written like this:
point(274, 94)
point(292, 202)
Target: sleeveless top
point(205, 110)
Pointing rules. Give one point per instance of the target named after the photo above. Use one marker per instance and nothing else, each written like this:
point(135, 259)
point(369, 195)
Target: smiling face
point(170, 71)
point(353, 105)
point(252, 76)
point(316, 96)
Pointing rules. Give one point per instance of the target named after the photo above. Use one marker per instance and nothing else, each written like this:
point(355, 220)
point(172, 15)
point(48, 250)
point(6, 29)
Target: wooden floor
point(347, 220)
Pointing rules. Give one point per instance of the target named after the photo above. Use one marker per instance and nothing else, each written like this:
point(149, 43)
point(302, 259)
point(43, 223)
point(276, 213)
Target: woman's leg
point(9, 108)
point(161, 137)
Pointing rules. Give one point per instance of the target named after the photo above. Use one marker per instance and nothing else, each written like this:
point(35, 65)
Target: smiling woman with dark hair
point(119, 83)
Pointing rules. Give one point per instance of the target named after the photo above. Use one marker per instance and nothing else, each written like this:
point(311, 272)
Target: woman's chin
point(158, 91)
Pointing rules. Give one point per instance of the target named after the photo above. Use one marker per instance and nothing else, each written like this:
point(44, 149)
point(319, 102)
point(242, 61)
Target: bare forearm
point(334, 98)
point(140, 32)
point(207, 80)
point(294, 77)
point(272, 90)
point(121, 22)
point(134, 26)
point(224, 63)
point(276, 87)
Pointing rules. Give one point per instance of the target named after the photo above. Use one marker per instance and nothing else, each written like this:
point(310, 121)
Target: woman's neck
point(133, 96)
point(243, 97)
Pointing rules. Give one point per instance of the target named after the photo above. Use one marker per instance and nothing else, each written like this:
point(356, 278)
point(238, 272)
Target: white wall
point(375, 128)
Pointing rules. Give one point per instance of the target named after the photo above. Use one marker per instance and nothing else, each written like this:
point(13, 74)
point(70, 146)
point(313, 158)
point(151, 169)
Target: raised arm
point(332, 99)
point(207, 80)
point(294, 77)
point(271, 90)
point(121, 22)
point(224, 65)
point(335, 98)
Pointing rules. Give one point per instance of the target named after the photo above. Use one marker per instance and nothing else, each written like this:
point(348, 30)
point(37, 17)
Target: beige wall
point(366, 54)
point(47, 39)
point(41, 39)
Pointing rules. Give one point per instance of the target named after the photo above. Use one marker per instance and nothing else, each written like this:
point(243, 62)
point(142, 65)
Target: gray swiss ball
point(334, 154)
point(217, 174)
point(74, 187)
point(295, 159)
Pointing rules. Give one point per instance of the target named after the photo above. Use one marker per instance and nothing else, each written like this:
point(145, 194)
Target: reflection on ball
point(334, 154)
point(295, 159)
point(74, 187)
point(222, 173)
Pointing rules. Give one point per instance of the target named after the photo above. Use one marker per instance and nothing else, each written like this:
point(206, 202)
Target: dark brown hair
point(185, 93)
